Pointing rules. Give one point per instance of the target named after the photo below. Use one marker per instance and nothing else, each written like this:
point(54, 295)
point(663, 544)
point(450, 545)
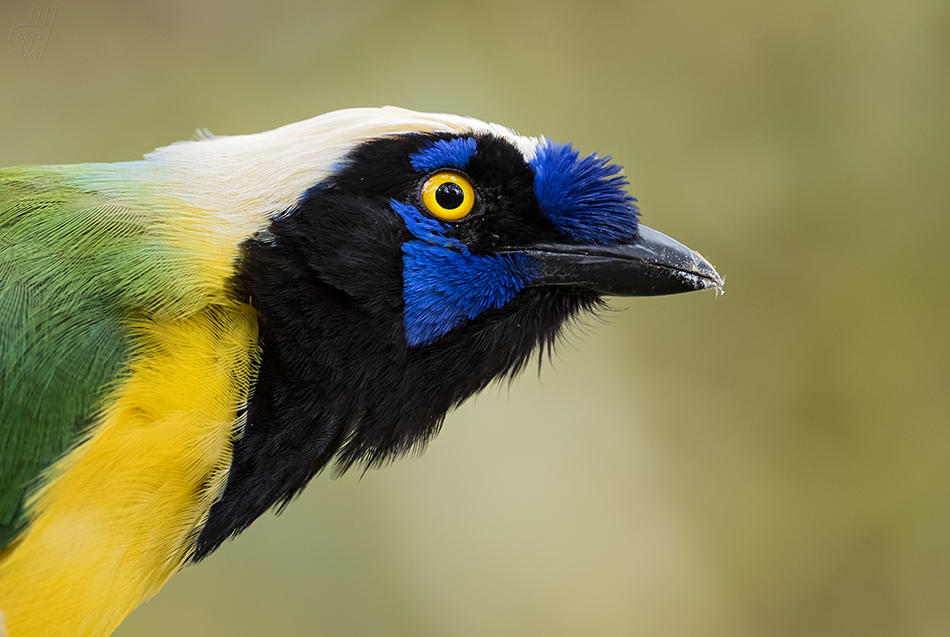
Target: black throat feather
point(337, 381)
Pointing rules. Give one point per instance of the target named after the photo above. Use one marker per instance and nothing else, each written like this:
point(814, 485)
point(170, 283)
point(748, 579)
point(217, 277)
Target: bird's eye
point(448, 195)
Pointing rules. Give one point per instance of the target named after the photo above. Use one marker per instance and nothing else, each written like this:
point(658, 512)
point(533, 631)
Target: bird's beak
point(649, 264)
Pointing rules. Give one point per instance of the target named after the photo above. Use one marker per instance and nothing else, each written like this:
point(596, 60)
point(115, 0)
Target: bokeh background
point(772, 462)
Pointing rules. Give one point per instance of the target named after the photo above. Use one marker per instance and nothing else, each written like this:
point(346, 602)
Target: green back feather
point(76, 266)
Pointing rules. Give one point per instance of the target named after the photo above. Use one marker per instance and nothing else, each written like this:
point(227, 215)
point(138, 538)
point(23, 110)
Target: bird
point(188, 339)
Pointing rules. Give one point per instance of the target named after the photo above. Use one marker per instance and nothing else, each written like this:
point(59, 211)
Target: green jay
point(188, 339)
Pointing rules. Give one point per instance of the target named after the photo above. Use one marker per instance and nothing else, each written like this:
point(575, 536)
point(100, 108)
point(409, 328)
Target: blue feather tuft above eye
point(444, 153)
point(585, 198)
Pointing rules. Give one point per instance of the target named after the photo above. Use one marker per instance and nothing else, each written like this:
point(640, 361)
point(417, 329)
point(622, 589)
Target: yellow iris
point(448, 195)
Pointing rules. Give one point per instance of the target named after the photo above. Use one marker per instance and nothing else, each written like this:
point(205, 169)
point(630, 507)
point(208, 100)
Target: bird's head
point(425, 257)
point(428, 262)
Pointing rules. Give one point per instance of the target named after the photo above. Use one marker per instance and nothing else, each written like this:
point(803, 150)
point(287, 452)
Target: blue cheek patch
point(585, 198)
point(445, 285)
point(445, 153)
point(444, 289)
point(426, 229)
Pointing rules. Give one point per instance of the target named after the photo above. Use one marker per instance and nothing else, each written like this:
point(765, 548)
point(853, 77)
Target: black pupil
point(449, 195)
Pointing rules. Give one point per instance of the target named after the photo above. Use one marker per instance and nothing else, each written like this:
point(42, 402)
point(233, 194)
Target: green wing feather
point(75, 265)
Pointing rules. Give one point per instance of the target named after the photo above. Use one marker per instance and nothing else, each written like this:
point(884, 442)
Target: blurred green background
point(772, 462)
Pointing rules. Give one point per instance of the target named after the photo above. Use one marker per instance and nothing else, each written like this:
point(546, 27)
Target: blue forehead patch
point(444, 153)
point(585, 198)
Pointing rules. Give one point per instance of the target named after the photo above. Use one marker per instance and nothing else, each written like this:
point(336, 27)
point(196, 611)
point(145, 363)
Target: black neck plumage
point(337, 381)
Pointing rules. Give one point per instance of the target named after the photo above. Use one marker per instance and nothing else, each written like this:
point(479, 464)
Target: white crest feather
point(247, 179)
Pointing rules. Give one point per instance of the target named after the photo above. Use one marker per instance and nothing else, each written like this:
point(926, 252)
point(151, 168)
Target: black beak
point(649, 264)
